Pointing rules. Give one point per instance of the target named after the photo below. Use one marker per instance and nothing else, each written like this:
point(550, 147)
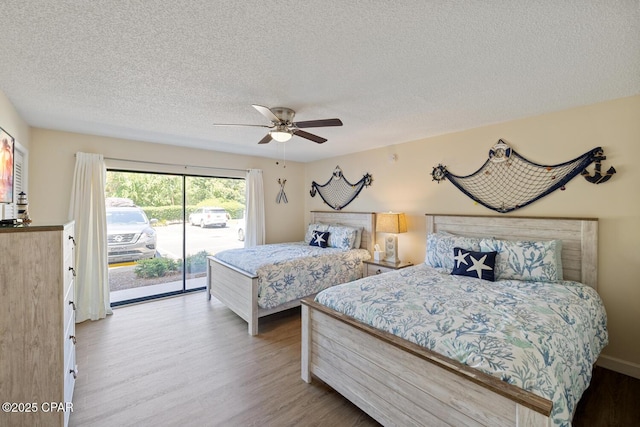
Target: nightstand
point(372, 267)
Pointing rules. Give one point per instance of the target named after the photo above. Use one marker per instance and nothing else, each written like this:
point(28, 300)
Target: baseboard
point(619, 365)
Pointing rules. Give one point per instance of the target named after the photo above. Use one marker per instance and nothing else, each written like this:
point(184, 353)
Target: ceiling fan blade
point(267, 113)
point(318, 123)
point(240, 124)
point(267, 138)
point(310, 136)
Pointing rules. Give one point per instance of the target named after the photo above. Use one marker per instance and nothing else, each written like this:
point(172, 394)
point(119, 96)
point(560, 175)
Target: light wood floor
point(185, 361)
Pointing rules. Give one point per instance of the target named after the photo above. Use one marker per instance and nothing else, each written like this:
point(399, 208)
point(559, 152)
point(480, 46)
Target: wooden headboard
point(353, 219)
point(579, 237)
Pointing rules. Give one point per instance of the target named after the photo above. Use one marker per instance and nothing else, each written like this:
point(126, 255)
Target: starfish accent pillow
point(320, 239)
point(480, 265)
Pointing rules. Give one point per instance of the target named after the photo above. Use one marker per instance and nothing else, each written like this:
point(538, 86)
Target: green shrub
point(155, 267)
point(159, 267)
point(197, 263)
point(165, 214)
point(173, 214)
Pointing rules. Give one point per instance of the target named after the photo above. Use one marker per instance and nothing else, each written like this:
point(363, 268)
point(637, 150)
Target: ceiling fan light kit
point(280, 135)
point(283, 127)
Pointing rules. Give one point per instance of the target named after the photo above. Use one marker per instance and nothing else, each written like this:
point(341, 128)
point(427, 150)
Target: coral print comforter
point(541, 336)
point(288, 271)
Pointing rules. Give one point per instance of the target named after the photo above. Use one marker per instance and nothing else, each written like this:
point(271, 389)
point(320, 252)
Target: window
point(162, 227)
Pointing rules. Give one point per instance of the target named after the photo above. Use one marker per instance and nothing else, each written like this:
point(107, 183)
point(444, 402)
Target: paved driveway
point(212, 240)
point(124, 284)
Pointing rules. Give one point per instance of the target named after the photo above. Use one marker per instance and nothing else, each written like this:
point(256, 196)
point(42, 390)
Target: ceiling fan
point(283, 127)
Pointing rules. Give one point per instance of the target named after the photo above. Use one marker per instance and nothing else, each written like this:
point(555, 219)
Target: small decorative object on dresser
point(23, 208)
point(372, 267)
point(38, 362)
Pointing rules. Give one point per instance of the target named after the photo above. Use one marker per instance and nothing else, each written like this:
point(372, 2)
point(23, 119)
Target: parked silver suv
point(129, 233)
point(209, 216)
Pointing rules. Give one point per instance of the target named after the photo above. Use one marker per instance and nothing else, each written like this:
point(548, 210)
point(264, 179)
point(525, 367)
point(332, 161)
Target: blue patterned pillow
point(526, 260)
point(320, 239)
point(440, 247)
point(342, 236)
point(480, 265)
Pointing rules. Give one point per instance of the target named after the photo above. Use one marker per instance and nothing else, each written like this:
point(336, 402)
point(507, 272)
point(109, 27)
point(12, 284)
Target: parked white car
point(241, 229)
point(209, 216)
point(130, 235)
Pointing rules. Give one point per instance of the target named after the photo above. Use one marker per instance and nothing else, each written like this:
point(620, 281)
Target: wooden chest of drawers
point(37, 324)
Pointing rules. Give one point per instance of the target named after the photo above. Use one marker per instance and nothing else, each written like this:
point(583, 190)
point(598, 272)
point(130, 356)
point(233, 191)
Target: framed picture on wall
point(7, 144)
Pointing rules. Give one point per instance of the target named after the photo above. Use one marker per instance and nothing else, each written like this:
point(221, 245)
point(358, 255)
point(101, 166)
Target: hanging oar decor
point(507, 181)
point(282, 197)
point(338, 192)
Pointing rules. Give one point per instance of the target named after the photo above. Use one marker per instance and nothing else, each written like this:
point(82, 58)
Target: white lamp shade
point(280, 135)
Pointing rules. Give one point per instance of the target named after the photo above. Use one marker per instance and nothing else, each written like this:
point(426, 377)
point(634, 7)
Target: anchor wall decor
point(597, 177)
point(507, 181)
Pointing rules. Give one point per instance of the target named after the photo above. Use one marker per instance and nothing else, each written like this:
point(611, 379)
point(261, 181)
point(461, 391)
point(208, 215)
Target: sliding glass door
point(162, 227)
point(215, 214)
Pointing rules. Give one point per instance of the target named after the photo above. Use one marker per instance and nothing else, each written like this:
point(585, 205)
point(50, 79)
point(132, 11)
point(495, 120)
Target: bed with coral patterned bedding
point(289, 271)
point(540, 336)
point(262, 280)
point(500, 326)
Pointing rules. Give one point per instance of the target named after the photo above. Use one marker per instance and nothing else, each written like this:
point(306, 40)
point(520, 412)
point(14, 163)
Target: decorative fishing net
point(338, 192)
point(507, 181)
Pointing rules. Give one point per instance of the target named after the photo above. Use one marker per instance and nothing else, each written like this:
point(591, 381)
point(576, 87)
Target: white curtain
point(255, 233)
point(87, 208)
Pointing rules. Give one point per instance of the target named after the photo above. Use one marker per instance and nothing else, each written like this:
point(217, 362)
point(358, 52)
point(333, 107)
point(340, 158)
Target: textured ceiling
point(165, 71)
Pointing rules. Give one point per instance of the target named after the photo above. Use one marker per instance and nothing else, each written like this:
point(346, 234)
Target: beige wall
point(406, 185)
point(52, 164)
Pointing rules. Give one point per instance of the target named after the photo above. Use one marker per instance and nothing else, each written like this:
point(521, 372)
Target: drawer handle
point(73, 240)
point(73, 338)
point(73, 305)
point(74, 372)
point(73, 270)
point(378, 271)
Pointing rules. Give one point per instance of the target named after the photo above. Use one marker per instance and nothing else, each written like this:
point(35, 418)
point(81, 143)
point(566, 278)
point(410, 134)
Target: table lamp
point(393, 223)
